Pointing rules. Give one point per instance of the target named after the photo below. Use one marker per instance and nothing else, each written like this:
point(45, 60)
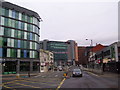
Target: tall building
point(72, 52)
point(46, 60)
point(19, 39)
point(64, 52)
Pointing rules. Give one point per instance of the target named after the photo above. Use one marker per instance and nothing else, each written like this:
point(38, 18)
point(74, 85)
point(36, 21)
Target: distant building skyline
point(77, 20)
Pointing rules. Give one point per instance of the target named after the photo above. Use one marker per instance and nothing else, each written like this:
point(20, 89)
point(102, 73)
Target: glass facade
point(60, 50)
point(19, 37)
point(21, 33)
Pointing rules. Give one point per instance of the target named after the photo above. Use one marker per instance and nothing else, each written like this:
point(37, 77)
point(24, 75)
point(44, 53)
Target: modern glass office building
point(19, 39)
point(59, 49)
point(64, 52)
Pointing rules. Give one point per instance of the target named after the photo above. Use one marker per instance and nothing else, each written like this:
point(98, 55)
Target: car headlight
point(73, 72)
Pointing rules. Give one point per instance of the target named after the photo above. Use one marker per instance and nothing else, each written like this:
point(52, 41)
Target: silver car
point(77, 72)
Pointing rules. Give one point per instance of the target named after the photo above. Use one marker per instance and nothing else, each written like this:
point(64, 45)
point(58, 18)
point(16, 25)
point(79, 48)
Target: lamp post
point(91, 44)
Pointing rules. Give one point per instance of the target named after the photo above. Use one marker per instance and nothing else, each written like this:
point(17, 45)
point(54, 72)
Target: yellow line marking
point(61, 83)
point(8, 87)
point(27, 85)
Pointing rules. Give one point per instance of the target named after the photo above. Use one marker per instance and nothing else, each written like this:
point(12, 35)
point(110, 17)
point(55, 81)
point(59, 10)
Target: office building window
point(9, 22)
point(25, 28)
point(28, 27)
point(25, 53)
point(6, 12)
point(13, 14)
point(30, 45)
point(2, 20)
point(5, 41)
point(33, 37)
point(10, 13)
point(6, 21)
point(23, 17)
point(25, 35)
point(22, 25)
point(31, 27)
point(1, 52)
point(7, 32)
point(26, 18)
point(31, 55)
point(22, 34)
point(13, 23)
point(19, 34)
point(18, 53)
point(8, 52)
point(25, 44)
point(18, 43)
point(31, 19)
point(8, 42)
point(17, 15)
point(20, 16)
point(12, 32)
point(16, 24)
point(3, 11)
point(33, 45)
point(1, 41)
point(22, 44)
point(19, 23)
point(12, 42)
point(16, 33)
point(30, 36)
point(1, 30)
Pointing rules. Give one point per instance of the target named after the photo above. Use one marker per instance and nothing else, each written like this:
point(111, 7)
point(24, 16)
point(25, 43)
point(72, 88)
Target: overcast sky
point(76, 19)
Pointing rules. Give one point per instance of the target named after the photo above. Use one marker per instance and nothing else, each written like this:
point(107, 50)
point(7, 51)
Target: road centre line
point(61, 83)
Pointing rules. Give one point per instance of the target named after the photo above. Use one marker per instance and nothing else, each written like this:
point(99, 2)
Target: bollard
point(18, 75)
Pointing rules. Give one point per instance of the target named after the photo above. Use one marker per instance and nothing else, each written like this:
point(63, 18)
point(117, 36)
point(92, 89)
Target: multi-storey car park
point(19, 39)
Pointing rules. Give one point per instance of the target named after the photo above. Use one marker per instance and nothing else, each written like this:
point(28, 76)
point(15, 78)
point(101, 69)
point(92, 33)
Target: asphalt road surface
point(90, 80)
point(43, 80)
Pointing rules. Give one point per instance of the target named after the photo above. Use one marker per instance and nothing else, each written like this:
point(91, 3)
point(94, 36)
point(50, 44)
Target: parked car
point(77, 72)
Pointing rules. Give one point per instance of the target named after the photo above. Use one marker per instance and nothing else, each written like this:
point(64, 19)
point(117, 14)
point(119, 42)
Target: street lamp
point(91, 44)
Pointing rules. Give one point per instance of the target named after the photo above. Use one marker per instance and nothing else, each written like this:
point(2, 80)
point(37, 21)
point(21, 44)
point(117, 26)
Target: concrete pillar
point(18, 66)
point(0, 75)
point(31, 66)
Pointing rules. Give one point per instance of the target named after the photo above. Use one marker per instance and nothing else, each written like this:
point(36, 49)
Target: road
point(90, 80)
point(43, 80)
point(55, 80)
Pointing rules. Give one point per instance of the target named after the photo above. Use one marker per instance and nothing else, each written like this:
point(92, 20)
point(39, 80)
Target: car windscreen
point(76, 70)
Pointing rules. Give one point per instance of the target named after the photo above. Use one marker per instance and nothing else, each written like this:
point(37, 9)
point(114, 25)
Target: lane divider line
point(61, 83)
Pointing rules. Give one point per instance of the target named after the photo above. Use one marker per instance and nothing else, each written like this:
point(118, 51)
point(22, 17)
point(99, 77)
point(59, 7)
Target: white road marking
point(56, 75)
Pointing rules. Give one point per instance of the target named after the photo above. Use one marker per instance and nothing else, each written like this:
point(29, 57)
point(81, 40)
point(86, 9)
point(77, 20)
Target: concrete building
point(109, 57)
point(72, 52)
point(64, 52)
point(83, 55)
point(19, 39)
point(46, 60)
